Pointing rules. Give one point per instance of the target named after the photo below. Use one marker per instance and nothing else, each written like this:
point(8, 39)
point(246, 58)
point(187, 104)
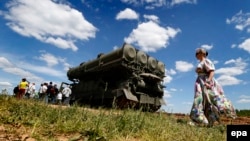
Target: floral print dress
point(214, 92)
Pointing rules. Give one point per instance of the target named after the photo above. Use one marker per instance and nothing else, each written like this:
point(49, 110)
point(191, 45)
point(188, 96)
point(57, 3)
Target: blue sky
point(41, 39)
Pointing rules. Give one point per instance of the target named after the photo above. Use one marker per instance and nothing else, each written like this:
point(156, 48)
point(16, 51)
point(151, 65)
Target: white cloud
point(176, 2)
point(171, 72)
point(183, 66)
point(207, 47)
point(187, 103)
point(66, 65)
point(149, 4)
point(50, 59)
point(166, 94)
point(215, 61)
point(246, 44)
point(127, 14)
point(152, 4)
point(167, 79)
point(17, 68)
point(8, 67)
point(62, 43)
point(42, 69)
point(152, 18)
point(5, 84)
point(243, 101)
point(130, 1)
point(150, 36)
point(228, 74)
point(61, 25)
point(245, 96)
point(233, 45)
point(241, 21)
point(238, 67)
point(232, 71)
point(239, 62)
point(228, 80)
point(173, 89)
point(5, 63)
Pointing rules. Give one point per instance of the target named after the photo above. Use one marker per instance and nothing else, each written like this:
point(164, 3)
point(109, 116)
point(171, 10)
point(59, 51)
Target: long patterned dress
point(215, 93)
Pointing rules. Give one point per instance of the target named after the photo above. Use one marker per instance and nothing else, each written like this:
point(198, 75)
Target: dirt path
point(238, 121)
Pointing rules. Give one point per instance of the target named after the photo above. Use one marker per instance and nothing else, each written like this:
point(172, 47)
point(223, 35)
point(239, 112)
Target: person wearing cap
point(208, 92)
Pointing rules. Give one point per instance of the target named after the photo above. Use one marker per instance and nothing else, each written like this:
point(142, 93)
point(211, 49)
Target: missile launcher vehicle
point(123, 78)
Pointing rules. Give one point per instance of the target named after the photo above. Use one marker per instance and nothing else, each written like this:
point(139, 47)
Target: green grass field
point(33, 120)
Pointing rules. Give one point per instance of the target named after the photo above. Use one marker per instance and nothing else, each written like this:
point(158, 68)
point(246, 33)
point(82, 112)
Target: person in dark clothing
point(16, 90)
point(50, 86)
point(53, 93)
point(56, 89)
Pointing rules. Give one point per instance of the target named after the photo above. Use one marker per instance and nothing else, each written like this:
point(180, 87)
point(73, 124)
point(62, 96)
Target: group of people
point(48, 92)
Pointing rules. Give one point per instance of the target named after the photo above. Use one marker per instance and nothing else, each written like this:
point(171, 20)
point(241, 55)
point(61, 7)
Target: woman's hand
point(208, 84)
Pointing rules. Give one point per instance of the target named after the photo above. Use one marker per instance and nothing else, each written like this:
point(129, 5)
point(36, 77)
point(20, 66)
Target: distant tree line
point(243, 112)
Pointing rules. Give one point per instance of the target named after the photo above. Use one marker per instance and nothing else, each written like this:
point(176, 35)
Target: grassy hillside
point(33, 120)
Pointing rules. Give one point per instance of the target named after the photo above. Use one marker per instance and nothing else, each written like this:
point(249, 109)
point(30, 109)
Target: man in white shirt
point(32, 90)
point(59, 98)
point(66, 92)
point(43, 94)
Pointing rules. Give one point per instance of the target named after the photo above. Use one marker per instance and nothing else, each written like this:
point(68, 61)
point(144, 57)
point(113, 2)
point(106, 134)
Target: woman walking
point(209, 99)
